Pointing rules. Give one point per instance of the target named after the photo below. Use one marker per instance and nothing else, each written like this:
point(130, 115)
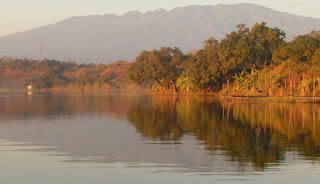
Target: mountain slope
point(106, 38)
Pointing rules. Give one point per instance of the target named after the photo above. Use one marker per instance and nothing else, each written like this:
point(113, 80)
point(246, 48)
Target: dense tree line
point(242, 59)
point(50, 74)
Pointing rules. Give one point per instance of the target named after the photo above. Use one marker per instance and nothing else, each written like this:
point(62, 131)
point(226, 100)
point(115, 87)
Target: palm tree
point(186, 83)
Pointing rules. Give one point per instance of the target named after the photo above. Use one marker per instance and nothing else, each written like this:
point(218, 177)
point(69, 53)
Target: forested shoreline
point(256, 61)
point(56, 75)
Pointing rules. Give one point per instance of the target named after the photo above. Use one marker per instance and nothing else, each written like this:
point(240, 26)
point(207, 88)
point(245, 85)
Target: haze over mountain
point(107, 38)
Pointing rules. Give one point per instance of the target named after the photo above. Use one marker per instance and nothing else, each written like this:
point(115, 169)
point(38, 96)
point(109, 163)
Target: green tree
point(161, 66)
point(301, 51)
point(203, 68)
point(263, 42)
point(49, 79)
point(234, 52)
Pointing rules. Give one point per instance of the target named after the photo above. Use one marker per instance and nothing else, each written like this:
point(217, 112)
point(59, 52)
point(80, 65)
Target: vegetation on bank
point(256, 61)
point(56, 75)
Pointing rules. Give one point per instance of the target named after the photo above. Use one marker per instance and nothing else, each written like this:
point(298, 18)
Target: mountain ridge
point(109, 37)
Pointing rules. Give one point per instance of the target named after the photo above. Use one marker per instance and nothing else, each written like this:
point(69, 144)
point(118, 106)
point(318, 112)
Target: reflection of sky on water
point(106, 140)
point(38, 167)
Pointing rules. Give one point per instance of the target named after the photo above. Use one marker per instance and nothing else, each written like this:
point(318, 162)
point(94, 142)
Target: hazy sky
point(20, 15)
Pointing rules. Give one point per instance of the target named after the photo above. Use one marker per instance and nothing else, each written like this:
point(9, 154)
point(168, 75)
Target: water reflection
point(257, 133)
point(22, 106)
point(197, 133)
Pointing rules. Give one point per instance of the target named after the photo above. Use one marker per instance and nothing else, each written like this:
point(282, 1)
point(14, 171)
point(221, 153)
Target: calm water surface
point(127, 138)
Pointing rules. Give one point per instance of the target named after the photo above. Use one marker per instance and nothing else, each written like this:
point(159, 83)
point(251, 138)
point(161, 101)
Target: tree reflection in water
point(257, 133)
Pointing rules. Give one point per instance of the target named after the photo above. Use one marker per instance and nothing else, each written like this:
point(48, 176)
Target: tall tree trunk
point(174, 87)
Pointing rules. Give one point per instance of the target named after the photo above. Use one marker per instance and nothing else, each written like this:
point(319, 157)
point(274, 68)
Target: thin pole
point(313, 90)
point(290, 82)
point(247, 91)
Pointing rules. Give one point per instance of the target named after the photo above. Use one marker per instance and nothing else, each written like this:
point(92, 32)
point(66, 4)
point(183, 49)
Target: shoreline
point(278, 99)
point(233, 98)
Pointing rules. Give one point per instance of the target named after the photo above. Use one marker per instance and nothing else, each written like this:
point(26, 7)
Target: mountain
point(106, 38)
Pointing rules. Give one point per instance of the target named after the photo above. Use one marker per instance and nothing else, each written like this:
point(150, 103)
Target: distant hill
point(106, 38)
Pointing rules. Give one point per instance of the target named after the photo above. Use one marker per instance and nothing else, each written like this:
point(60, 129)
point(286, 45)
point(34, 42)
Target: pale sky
point(21, 15)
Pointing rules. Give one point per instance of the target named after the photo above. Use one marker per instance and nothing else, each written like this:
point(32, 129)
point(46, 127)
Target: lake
point(48, 137)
